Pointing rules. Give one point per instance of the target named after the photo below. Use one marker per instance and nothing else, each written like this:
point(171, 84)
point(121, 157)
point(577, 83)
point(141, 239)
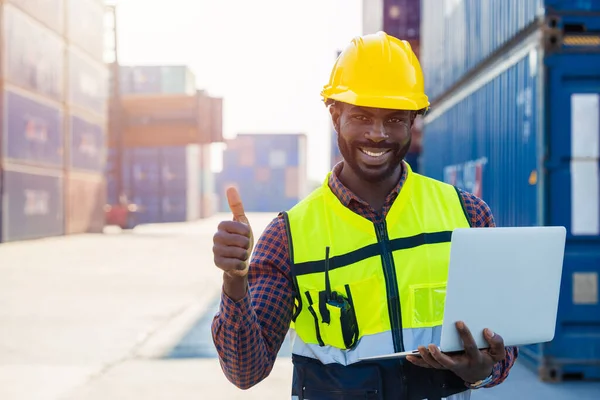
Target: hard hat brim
point(415, 102)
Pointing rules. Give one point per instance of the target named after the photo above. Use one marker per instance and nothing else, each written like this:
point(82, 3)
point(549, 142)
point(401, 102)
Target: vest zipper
point(391, 284)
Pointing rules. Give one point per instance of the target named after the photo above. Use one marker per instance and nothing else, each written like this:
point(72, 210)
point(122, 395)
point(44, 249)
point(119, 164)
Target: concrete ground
point(93, 317)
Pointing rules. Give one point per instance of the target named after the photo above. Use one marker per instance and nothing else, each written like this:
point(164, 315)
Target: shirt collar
point(346, 196)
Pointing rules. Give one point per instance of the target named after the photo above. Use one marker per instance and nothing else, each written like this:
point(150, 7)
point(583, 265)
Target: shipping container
point(88, 144)
point(157, 79)
point(85, 26)
point(35, 56)
point(261, 164)
point(33, 131)
point(164, 184)
point(142, 171)
point(48, 12)
point(459, 36)
point(32, 203)
point(524, 135)
point(84, 204)
point(399, 18)
point(162, 120)
point(88, 83)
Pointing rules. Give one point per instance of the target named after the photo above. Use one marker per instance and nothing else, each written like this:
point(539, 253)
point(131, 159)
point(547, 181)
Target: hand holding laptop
point(473, 364)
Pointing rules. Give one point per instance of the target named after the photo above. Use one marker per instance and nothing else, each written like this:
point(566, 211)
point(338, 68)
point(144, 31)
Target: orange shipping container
point(169, 120)
point(84, 203)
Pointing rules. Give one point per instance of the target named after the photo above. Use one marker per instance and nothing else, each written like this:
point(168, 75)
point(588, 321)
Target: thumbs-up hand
point(233, 242)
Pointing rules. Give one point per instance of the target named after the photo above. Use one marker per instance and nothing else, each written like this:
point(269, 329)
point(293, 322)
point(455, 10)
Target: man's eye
point(361, 118)
point(395, 120)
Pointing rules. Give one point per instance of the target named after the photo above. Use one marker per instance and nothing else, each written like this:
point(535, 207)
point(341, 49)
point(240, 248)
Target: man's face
point(373, 141)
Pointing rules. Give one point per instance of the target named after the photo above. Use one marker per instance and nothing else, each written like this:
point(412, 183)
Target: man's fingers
point(231, 239)
point(497, 349)
point(229, 264)
point(469, 344)
point(445, 361)
point(238, 228)
point(426, 356)
point(235, 205)
point(230, 252)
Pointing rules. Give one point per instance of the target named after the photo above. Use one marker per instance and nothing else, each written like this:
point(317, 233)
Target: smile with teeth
point(377, 153)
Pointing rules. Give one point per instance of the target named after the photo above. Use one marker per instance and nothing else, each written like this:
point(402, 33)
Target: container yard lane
point(100, 316)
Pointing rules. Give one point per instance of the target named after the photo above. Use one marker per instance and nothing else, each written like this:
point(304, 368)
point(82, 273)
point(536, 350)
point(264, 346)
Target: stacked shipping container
point(39, 100)
point(162, 113)
point(164, 184)
point(85, 117)
point(157, 79)
point(269, 170)
point(516, 121)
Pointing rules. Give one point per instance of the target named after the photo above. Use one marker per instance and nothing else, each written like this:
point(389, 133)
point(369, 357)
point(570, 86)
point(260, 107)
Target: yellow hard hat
point(378, 70)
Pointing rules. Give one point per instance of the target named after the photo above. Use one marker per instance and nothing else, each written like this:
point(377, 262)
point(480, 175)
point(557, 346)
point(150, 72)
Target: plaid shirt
point(248, 334)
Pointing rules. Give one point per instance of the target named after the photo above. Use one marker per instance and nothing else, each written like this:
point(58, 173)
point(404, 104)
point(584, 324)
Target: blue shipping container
point(165, 183)
point(33, 205)
point(142, 170)
point(266, 150)
point(35, 55)
point(457, 36)
point(33, 132)
point(401, 18)
point(49, 12)
point(88, 147)
point(525, 136)
point(86, 26)
point(88, 83)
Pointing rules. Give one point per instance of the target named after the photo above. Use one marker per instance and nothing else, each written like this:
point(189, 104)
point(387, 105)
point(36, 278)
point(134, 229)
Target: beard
point(349, 150)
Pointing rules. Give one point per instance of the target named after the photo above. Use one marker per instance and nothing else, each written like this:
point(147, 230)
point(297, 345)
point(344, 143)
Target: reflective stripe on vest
point(459, 396)
point(395, 271)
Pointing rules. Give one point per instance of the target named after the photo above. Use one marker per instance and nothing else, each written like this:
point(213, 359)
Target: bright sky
point(268, 58)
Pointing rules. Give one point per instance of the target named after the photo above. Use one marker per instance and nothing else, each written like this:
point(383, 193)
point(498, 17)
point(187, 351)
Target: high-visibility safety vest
point(365, 289)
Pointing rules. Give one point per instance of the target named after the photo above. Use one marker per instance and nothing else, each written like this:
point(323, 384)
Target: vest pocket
point(427, 301)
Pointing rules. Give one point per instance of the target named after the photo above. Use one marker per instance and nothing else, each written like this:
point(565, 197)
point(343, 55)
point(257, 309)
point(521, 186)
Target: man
point(358, 268)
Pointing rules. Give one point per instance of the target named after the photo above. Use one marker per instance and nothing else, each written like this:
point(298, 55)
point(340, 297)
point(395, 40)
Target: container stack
point(401, 19)
point(162, 183)
point(269, 171)
point(54, 114)
point(516, 121)
point(167, 128)
point(86, 117)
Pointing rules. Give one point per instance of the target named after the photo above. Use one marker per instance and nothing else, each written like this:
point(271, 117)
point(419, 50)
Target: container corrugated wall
point(524, 135)
point(157, 79)
point(33, 142)
point(49, 12)
point(458, 35)
point(34, 55)
point(269, 170)
point(33, 130)
point(32, 203)
point(86, 117)
point(166, 184)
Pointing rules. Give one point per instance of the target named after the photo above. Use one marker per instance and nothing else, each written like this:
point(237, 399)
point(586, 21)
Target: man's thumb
point(236, 206)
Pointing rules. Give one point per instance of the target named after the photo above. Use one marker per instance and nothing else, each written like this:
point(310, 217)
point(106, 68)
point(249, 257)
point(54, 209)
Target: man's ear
point(336, 114)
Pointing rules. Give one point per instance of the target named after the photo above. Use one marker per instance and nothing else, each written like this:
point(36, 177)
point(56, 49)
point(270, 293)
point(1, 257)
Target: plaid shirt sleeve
point(481, 217)
point(248, 334)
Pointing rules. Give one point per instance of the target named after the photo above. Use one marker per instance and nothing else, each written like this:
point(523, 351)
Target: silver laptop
point(504, 279)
